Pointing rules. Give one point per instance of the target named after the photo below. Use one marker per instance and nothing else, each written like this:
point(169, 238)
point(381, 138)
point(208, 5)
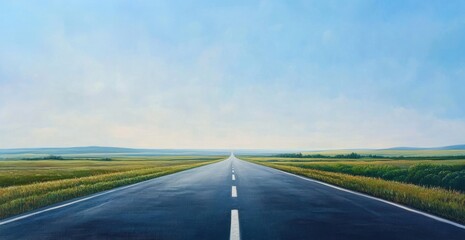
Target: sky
point(232, 74)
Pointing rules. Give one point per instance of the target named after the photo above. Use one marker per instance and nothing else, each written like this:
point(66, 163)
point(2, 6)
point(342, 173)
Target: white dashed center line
point(235, 233)
point(234, 191)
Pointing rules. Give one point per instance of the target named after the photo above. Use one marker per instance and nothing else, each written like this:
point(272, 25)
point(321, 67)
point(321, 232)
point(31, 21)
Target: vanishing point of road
point(231, 199)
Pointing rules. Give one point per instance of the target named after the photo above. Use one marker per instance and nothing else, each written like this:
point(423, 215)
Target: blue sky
point(232, 74)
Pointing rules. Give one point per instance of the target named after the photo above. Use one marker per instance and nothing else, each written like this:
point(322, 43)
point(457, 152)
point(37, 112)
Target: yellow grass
point(22, 198)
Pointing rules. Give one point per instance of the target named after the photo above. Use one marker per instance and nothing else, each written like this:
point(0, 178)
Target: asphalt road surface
point(232, 199)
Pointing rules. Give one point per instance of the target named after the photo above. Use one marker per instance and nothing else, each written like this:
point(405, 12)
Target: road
point(230, 199)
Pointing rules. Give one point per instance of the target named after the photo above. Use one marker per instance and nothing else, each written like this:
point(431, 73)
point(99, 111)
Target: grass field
point(26, 185)
point(434, 186)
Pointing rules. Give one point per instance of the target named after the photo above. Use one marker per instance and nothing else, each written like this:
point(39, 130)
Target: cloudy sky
point(232, 74)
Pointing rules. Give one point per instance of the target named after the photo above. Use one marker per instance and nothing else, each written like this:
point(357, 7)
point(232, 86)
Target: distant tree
point(289, 155)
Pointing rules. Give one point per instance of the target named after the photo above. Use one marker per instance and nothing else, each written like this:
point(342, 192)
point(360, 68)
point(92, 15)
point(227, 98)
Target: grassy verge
point(446, 203)
point(424, 174)
point(22, 198)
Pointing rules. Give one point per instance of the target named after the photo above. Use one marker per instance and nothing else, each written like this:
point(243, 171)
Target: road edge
point(429, 215)
point(85, 198)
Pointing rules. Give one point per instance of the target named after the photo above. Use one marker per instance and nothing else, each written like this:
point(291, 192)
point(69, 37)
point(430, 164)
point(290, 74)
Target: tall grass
point(431, 175)
point(22, 198)
point(441, 202)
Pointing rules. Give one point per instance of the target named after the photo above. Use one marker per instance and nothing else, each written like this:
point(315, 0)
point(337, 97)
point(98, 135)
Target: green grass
point(28, 185)
point(367, 175)
point(424, 173)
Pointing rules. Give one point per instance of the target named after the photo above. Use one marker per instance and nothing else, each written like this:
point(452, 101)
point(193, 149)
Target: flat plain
point(26, 185)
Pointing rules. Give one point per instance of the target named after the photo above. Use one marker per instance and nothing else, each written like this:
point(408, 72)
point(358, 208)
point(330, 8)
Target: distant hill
point(95, 151)
point(452, 147)
point(406, 148)
point(70, 150)
point(104, 152)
